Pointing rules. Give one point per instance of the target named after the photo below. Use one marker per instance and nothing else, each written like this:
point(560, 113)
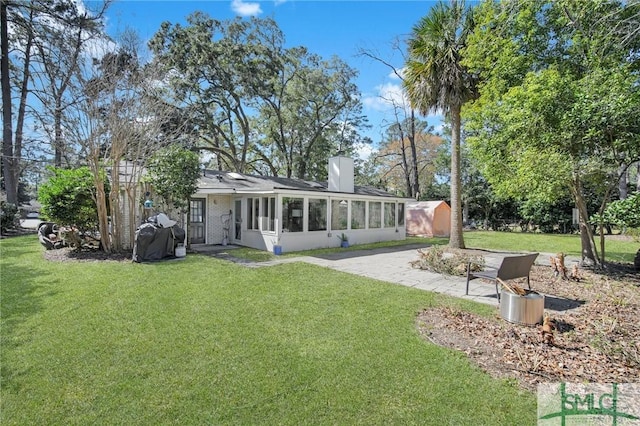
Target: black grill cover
point(156, 243)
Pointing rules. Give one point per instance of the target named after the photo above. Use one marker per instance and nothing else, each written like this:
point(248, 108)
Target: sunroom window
point(317, 214)
point(292, 214)
point(375, 214)
point(339, 214)
point(358, 214)
point(389, 215)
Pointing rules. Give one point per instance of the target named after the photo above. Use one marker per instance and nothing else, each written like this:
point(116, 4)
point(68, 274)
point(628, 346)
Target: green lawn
point(616, 250)
point(203, 341)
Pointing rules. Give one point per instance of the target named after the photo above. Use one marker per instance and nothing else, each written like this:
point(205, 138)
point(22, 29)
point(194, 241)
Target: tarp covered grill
point(154, 242)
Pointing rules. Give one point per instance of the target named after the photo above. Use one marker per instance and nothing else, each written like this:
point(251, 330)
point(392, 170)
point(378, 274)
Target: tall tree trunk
point(103, 220)
point(10, 184)
point(101, 196)
point(623, 184)
point(405, 165)
point(589, 251)
point(415, 182)
point(456, 239)
point(12, 148)
point(116, 208)
point(57, 143)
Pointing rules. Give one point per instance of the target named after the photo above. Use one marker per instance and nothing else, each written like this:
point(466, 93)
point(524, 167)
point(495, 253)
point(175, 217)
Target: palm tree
point(435, 80)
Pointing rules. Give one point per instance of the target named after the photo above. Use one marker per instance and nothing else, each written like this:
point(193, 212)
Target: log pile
point(513, 288)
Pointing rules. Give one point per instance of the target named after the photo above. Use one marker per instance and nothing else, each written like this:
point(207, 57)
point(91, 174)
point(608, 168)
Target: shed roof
point(426, 204)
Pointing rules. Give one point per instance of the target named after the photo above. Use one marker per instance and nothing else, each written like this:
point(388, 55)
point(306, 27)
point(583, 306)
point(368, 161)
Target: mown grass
point(203, 341)
point(616, 249)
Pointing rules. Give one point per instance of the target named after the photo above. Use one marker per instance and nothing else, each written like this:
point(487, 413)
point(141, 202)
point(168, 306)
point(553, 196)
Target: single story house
point(428, 218)
point(262, 211)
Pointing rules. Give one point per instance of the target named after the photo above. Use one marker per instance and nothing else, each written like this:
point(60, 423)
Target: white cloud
point(243, 8)
point(364, 150)
point(386, 97)
point(393, 76)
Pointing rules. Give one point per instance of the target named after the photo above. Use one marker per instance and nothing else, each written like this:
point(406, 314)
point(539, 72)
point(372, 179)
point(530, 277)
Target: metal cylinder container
point(527, 309)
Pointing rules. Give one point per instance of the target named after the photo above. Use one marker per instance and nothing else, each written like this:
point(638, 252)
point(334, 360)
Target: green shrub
point(8, 216)
point(68, 199)
point(624, 213)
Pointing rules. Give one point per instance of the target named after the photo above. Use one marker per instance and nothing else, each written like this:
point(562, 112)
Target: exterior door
point(196, 222)
point(237, 214)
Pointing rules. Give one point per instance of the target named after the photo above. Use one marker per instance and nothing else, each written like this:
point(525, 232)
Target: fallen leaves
point(596, 342)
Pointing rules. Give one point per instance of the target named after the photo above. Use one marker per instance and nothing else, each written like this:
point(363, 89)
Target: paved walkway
point(392, 264)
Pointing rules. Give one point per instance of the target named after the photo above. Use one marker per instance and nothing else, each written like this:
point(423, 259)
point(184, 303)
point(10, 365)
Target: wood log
point(558, 265)
point(547, 331)
point(507, 286)
point(519, 290)
point(552, 261)
point(575, 273)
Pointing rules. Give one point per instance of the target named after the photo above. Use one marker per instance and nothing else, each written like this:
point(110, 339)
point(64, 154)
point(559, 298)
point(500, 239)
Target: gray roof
point(231, 181)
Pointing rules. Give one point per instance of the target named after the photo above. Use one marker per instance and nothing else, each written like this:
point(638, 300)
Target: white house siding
point(261, 239)
point(296, 241)
point(216, 206)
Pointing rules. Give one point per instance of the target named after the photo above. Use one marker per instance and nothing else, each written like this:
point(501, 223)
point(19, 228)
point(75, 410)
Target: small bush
point(67, 199)
point(8, 216)
point(447, 261)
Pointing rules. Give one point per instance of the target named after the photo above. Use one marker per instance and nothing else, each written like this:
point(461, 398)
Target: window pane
point(256, 212)
point(389, 215)
point(339, 214)
point(317, 215)
point(292, 209)
point(358, 214)
point(249, 213)
point(268, 213)
point(272, 213)
point(400, 214)
point(197, 211)
point(374, 214)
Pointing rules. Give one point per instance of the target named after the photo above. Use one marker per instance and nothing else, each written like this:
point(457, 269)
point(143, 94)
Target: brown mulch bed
point(85, 255)
point(596, 340)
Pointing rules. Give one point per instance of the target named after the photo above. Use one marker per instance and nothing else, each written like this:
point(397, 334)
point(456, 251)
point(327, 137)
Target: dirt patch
point(598, 340)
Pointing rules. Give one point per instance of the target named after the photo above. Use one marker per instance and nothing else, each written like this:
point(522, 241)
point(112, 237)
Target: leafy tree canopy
point(173, 171)
point(557, 99)
point(256, 105)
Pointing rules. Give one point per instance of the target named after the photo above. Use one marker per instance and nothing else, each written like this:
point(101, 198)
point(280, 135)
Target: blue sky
point(325, 27)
